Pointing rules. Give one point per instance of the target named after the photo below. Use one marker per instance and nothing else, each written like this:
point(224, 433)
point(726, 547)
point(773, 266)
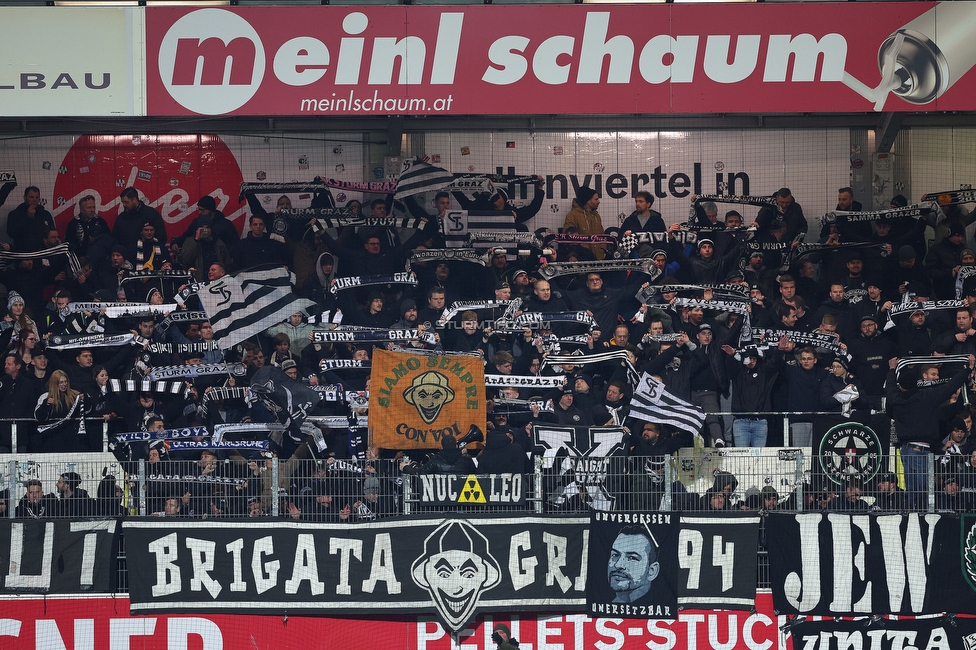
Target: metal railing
point(21, 430)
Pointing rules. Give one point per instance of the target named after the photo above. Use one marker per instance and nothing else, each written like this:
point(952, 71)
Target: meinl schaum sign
point(560, 59)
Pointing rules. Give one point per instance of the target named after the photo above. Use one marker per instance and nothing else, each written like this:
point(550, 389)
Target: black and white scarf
point(403, 277)
point(449, 255)
point(147, 259)
point(192, 371)
point(554, 269)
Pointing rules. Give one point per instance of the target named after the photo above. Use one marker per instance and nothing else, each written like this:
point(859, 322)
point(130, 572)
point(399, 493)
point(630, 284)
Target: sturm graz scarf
point(324, 221)
point(932, 305)
point(404, 277)
point(525, 381)
point(916, 211)
point(370, 336)
point(338, 364)
point(629, 242)
point(448, 255)
point(60, 249)
point(759, 201)
point(770, 339)
point(460, 307)
point(646, 293)
point(137, 309)
point(554, 269)
point(149, 274)
point(182, 348)
point(807, 248)
point(542, 319)
point(503, 237)
point(577, 240)
point(192, 371)
point(89, 341)
point(741, 308)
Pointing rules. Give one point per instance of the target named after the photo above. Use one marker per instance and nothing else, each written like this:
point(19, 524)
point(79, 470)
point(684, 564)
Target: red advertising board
point(561, 59)
point(84, 623)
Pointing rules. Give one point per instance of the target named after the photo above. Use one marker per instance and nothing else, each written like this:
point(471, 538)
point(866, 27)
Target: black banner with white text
point(57, 556)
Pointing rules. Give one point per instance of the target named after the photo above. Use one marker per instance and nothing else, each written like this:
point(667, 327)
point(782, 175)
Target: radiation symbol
point(472, 492)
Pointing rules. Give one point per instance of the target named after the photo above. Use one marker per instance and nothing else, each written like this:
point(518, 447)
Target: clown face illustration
point(456, 569)
point(429, 393)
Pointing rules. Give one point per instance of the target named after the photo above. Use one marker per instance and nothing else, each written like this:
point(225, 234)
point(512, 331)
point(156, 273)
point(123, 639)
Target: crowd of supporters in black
point(63, 398)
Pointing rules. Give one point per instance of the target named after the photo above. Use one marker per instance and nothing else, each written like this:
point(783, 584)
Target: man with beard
point(128, 225)
point(632, 566)
point(602, 303)
point(80, 229)
point(75, 501)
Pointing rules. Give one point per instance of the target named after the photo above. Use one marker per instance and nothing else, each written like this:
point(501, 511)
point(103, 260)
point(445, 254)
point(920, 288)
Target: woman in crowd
point(59, 414)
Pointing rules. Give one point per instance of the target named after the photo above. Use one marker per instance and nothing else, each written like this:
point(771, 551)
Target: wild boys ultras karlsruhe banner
point(415, 400)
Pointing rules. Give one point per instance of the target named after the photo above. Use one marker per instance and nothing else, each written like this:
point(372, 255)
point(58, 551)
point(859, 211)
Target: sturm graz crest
point(850, 450)
point(967, 548)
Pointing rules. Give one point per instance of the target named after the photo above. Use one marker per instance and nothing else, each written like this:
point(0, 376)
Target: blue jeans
point(916, 466)
point(749, 433)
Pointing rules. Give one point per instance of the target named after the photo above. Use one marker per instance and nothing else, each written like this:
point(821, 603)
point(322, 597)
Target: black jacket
point(501, 456)
point(446, 461)
point(912, 411)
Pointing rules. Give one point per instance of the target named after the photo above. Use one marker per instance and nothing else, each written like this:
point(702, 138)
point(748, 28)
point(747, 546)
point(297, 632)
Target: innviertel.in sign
point(561, 59)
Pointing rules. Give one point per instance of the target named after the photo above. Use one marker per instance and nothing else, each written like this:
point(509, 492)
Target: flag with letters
point(654, 403)
point(244, 304)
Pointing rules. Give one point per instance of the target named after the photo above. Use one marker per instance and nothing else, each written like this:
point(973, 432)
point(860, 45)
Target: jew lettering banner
point(959, 634)
point(850, 565)
point(415, 400)
point(57, 556)
point(452, 568)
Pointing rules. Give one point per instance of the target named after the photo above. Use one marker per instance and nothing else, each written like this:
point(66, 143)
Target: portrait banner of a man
point(632, 565)
point(415, 400)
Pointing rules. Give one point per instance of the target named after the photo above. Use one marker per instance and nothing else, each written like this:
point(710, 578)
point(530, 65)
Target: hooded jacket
point(586, 222)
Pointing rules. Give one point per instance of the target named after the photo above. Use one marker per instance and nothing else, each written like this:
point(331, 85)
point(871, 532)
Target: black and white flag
point(418, 177)
point(652, 402)
point(244, 304)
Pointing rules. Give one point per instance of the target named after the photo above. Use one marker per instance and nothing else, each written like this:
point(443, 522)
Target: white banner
point(72, 61)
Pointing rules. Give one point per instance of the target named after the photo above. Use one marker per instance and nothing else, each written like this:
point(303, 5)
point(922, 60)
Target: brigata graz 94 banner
point(561, 59)
point(452, 568)
point(850, 565)
point(57, 556)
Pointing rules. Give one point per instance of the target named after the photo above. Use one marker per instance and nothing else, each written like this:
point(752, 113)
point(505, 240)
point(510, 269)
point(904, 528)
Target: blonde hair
point(62, 401)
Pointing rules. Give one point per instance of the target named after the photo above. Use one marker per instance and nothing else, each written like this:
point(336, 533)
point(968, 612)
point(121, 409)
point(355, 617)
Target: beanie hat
point(501, 627)
point(906, 253)
point(207, 203)
point(899, 201)
point(908, 378)
point(406, 306)
point(584, 194)
point(13, 298)
point(372, 484)
point(288, 363)
point(72, 479)
point(956, 228)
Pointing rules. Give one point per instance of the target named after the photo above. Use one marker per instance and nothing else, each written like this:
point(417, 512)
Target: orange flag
point(415, 400)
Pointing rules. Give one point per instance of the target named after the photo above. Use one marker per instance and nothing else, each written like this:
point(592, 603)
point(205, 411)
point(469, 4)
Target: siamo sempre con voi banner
point(416, 400)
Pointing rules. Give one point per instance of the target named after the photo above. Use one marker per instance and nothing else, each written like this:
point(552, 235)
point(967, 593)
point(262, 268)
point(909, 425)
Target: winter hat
point(149, 295)
point(72, 479)
point(13, 298)
point(658, 251)
point(584, 194)
point(956, 228)
point(207, 203)
point(899, 201)
point(288, 363)
point(371, 485)
point(966, 251)
point(501, 627)
point(906, 253)
point(702, 242)
point(406, 306)
point(374, 295)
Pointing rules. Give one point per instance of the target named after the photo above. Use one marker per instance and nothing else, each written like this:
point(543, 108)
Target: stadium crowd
point(730, 312)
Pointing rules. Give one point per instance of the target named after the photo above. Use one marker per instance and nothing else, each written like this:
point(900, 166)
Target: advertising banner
point(560, 59)
point(833, 564)
point(57, 556)
point(51, 66)
point(416, 400)
point(103, 622)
